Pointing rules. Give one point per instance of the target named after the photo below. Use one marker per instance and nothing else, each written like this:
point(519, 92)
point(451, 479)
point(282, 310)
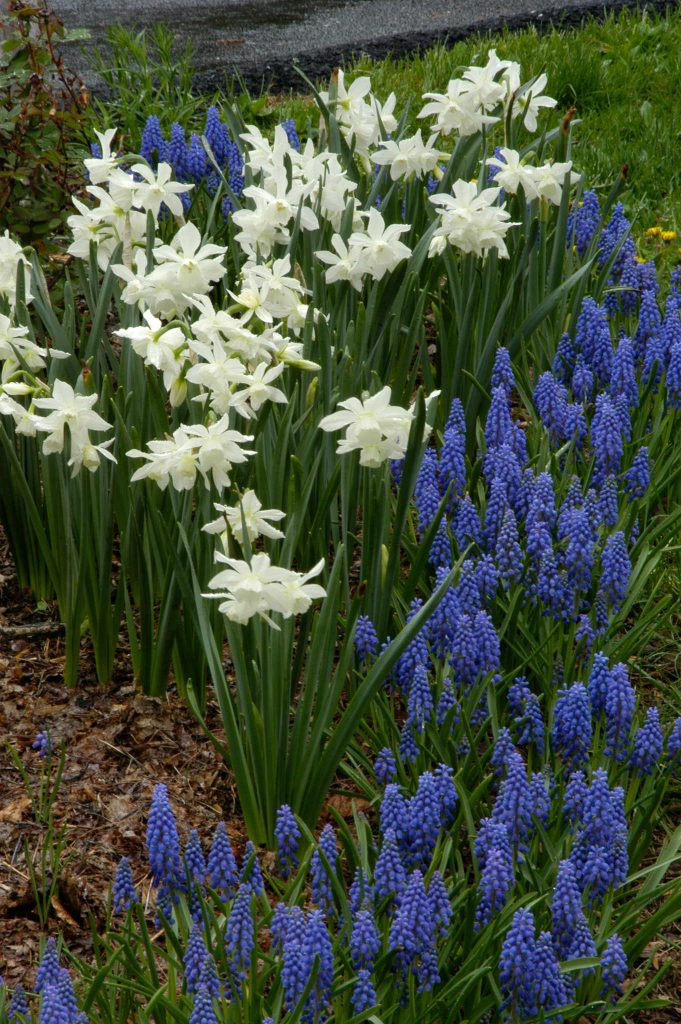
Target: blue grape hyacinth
point(124, 894)
point(163, 843)
point(287, 837)
point(515, 974)
point(648, 743)
point(613, 968)
point(251, 873)
point(222, 868)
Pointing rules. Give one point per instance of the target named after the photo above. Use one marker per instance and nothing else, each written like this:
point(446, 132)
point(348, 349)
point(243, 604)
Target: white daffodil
point(258, 587)
point(531, 102)
point(100, 168)
point(511, 173)
point(154, 342)
point(457, 110)
point(278, 292)
point(218, 449)
point(258, 389)
point(359, 113)
point(219, 373)
point(25, 422)
point(344, 264)
point(107, 225)
point(331, 186)
point(259, 150)
point(258, 520)
point(151, 192)
point(247, 586)
point(118, 201)
point(84, 453)
point(137, 290)
point(11, 255)
point(16, 347)
point(174, 458)
point(374, 427)
point(67, 409)
point(213, 324)
point(295, 594)
point(276, 204)
point(208, 450)
point(471, 220)
point(87, 228)
point(549, 179)
point(185, 268)
point(291, 353)
point(484, 85)
point(409, 157)
point(219, 328)
point(379, 246)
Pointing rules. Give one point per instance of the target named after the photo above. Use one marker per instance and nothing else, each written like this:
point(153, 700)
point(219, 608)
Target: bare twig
point(32, 629)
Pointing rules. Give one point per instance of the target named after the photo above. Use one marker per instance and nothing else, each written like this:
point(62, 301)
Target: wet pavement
point(264, 39)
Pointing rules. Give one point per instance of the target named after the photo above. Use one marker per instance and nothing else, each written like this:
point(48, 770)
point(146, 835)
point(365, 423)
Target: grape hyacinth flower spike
point(124, 894)
point(222, 868)
point(287, 837)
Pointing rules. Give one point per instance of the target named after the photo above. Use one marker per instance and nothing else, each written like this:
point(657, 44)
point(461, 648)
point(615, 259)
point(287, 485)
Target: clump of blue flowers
point(205, 158)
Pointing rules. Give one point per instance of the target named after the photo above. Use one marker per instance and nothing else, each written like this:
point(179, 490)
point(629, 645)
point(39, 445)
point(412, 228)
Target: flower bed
point(430, 390)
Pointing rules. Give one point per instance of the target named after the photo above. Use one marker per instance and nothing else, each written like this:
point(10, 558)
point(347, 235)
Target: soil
point(118, 745)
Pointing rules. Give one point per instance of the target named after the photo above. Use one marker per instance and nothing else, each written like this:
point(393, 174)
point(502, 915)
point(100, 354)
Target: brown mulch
point(119, 744)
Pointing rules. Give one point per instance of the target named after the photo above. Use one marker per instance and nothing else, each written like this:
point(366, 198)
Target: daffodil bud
point(385, 555)
point(178, 392)
point(312, 390)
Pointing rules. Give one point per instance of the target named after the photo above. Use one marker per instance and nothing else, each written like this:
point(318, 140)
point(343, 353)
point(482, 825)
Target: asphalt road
point(263, 39)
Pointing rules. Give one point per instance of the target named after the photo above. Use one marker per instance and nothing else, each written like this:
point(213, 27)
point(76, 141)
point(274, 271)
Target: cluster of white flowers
point(373, 252)
point(121, 216)
point(269, 293)
point(184, 268)
point(193, 449)
point(21, 358)
point(362, 119)
point(258, 588)
point(234, 356)
point(409, 157)
point(290, 186)
point(545, 182)
point(472, 221)
point(375, 428)
point(65, 408)
point(467, 105)
point(249, 512)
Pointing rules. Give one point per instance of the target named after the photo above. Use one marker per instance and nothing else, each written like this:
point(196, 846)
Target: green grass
point(622, 75)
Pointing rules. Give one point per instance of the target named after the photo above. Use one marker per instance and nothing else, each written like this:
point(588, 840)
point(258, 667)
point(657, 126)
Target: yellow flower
point(668, 236)
point(640, 259)
point(654, 232)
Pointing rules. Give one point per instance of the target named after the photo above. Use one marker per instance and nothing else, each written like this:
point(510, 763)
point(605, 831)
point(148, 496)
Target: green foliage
point(144, 73)
point(43, 113)
point(44, 858)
